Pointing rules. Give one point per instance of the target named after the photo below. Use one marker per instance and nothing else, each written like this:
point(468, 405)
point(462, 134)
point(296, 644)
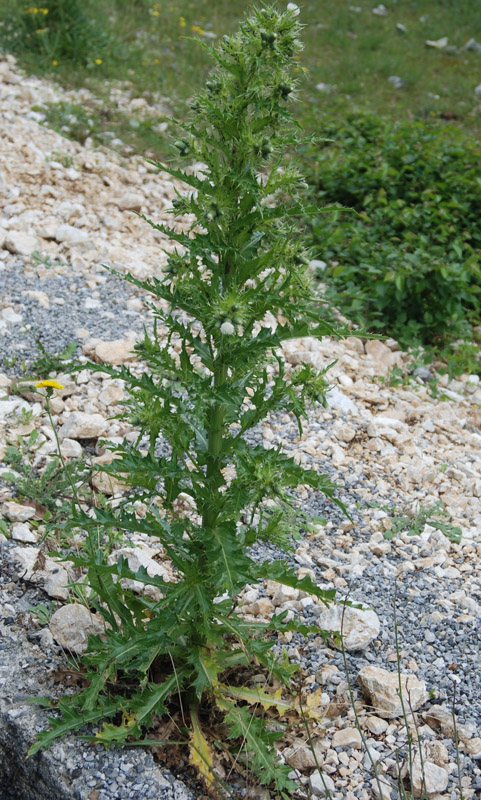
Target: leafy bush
point(216, 377)
point(58, 31)
point(406, 260)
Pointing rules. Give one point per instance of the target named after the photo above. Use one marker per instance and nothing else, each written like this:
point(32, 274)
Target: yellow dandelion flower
point(49, 385)
point(197, 29)
point(182, 22)
point(55, 63)
point(156, 60)
point(98, 61)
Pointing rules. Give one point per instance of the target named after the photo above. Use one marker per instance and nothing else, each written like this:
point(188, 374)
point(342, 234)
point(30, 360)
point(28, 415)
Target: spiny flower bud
point(227, 328)
point(213, 86)
point(266, 149)
point(284, 90)
point(268, 37)
point(182, 146)
point(294, 9)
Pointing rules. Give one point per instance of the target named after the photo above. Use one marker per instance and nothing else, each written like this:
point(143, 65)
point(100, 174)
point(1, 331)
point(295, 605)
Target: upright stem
point(215, 428)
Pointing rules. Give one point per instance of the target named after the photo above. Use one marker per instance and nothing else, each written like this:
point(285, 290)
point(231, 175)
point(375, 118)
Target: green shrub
point(205, 387)
point(406, 260)
point(53, 33)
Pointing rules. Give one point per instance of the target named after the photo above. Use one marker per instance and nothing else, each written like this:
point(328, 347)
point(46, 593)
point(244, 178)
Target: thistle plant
point(234, 290)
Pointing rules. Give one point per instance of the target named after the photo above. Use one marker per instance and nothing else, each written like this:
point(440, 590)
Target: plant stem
point(215, 430)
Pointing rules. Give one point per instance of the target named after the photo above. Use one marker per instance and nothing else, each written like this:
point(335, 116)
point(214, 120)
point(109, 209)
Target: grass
point(151, 54)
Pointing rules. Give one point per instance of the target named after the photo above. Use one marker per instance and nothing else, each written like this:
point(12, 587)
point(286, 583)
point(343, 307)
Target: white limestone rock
point(10, 316)
point(382, 688)
point(16, 512)
point(427, 779)
point(129, 202)
point(360, 626)
point(22, 532)
point(321, 785)
point(69, 447)
point(20, 243)
point(33, 566)
point(347, 737)
point(108, 484)
point(71, 625)
point(115, 352)
point(83, 426)
point(70, 235)
point(300, 756)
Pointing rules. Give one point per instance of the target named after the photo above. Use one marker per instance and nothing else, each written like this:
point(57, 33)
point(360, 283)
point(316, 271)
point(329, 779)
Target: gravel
point(58, 326)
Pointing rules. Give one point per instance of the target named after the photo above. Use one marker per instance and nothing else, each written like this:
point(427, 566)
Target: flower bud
point(294, 9)
point(227, 328)
point(284, 90)
point(268, 37)
point(266, 149)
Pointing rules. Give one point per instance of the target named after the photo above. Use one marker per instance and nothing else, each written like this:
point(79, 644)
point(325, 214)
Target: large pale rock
point(427, 779)
point(131, 201)
point(69, 447)
point(16, 512)
point(72, 624)
point(83, 426)
point(22, 532)
point(13, 404)
point(115, 352)
point(300, 756)
point(108, 484)
point(321, 785)
point(111, 395)
point(382, 688)
point(343, 432)
point(376, 725)
point(70, 234)
point(10, 316)
point(337, 399)
point(384, 357)
point(137, 557)
point(22, 244)
point(347, 737)
point(33, 566)
point(360, 626)
point(441, 718)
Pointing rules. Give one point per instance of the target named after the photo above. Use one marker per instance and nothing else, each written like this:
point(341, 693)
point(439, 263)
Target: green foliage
point(48, 363)
point(58, 31)
point(43, 612)
point(413, 523)
point(216, 376)
point(405, 260)
point(49, 486)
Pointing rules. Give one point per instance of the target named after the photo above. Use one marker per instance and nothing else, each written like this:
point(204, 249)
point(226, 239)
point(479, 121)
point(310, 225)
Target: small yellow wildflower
point(197, 29)
point(156, 60)
point(48, 385)
point(55, 63)
point(156, 13)
point(182, 22)
point(98, 60)
point(31, 11)
point(41, 30)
